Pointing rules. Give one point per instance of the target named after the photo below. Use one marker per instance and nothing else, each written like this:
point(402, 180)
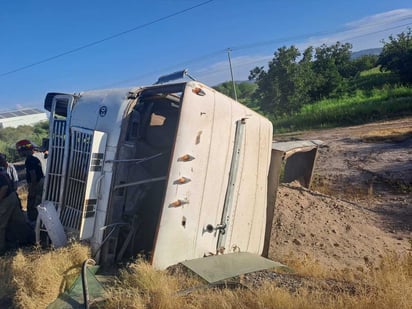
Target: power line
point(165, 69)
point(203, 57)
point(252, 45)
point(374, 32)
point(316, 34)
point(71, 51)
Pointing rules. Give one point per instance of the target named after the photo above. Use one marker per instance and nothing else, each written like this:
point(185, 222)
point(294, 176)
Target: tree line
point(293, 79)
point(9, 137)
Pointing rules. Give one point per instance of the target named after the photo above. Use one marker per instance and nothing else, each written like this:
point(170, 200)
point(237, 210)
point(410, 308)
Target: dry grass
point(388, 287)
point(344, 190)
point(307, 266)
point(139, 285)
point(394, 280)
point(387, 135)
point(34, 279)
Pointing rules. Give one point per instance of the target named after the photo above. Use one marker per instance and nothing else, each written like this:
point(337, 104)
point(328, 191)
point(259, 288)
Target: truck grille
point(54, 189)
point(78, 169)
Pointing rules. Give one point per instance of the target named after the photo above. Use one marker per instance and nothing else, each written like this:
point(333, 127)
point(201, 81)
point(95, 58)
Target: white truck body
point(175, 171)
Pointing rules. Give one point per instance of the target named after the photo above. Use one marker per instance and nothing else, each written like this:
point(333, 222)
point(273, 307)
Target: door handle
point(98, 186)
point(219, 227)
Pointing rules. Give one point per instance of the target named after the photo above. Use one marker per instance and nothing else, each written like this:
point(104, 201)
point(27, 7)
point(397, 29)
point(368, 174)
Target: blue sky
point(73, 46)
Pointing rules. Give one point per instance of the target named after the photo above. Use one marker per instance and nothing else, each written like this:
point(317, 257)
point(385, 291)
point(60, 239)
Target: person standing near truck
point(11, 171)
point(10, 212)
point(34, 178)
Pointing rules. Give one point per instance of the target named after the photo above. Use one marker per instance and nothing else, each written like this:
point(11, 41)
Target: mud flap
point(50, 219)
point(299, 158)
point(221, 267)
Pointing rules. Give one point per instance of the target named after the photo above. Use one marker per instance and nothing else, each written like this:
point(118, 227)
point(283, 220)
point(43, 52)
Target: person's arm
point(11, 170)
point(15, 175)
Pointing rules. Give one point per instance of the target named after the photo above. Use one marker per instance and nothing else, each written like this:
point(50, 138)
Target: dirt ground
point(359, 208)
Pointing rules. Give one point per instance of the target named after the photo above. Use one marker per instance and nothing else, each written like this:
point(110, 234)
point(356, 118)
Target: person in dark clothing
point(11, 170)
point(10, 212)
point(34, 178)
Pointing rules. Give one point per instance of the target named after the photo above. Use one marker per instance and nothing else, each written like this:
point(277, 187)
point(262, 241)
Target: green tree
point(282, 89)
point(9, 137)
point(331, 66)
point(294, 79)
point(244, 92)
point(304, 79)
point(396, 56)
point(363, 63)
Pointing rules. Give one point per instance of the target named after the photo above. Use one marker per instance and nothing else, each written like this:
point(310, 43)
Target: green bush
point(361, 107)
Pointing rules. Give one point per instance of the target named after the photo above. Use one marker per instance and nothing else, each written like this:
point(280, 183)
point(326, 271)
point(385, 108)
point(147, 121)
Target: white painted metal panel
point(206, 132)
point(247, 229)
point(102, 199)
point(216, 175)
point(102, 110)
point(93, 185)
point(226, 222)
point(178, 226)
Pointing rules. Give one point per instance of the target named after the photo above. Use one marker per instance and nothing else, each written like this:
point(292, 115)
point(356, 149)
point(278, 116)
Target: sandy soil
point(360, 209)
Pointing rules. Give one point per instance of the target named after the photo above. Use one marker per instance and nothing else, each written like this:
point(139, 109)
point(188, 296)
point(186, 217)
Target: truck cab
point(171, 172)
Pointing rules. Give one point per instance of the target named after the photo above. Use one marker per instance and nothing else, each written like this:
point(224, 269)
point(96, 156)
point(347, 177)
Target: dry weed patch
point(387, 135)
point(36, 278)
point(140, 285)
point(33, 279)
point(349, 191)
point(393, 281)
point(387, 287)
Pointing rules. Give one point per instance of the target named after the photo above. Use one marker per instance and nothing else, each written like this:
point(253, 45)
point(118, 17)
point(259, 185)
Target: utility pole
point(231, 73)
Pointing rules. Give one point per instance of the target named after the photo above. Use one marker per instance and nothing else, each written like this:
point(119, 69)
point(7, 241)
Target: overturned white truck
point(172, 171)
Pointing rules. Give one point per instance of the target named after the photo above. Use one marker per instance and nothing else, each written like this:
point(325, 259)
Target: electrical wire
point(205, 56)
point(71, 51)
point(317, 34)
point(245, 47)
